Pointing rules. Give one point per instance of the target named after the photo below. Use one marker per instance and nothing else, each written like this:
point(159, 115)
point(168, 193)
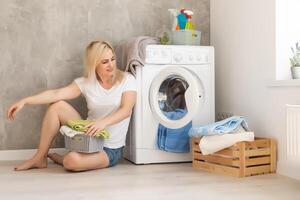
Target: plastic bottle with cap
point(173, 18)
point(181, 18)
point(189, 25)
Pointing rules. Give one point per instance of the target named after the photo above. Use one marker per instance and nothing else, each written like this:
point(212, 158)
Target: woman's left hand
point(94, 127)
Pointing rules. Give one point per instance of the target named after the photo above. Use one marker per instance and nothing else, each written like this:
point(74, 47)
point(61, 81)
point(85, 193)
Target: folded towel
point(225, 126)
point(174, 140)
point(213, 143)
point(131, 53)
point(65, 130)
point(79, 126)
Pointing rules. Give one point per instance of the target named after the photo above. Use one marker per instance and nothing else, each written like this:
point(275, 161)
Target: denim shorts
point(114, 155)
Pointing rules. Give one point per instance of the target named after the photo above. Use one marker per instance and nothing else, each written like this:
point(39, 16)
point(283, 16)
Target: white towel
point(65, 130)
point(213, 143)
point(131, 53)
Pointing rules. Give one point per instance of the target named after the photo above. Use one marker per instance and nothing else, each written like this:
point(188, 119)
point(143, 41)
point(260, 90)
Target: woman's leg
point(75, 161)
point(57, 114)
point(58, 159)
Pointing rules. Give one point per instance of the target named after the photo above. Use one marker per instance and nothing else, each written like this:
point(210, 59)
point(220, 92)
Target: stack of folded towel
point(222, 134)
point(78, 126)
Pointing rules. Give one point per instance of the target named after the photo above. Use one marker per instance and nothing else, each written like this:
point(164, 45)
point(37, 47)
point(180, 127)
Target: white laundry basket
point(83, 143)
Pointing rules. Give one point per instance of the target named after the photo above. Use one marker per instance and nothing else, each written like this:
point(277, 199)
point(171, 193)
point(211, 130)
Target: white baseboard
point(25, 154)
point(289, 168)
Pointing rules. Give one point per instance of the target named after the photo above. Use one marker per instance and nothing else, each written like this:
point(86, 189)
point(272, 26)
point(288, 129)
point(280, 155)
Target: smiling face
point(106, 67)
point(100, 63)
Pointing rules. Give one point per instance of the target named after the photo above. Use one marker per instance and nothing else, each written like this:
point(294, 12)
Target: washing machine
point(169, 71)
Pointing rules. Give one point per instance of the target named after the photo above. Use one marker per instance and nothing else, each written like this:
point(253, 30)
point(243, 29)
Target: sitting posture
point(110, 95)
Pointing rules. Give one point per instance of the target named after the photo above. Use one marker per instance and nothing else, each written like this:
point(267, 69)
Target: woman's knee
point(72, 161)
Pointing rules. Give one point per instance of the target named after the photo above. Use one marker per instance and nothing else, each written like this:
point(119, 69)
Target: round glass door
point(171, 97)
point(175, 96)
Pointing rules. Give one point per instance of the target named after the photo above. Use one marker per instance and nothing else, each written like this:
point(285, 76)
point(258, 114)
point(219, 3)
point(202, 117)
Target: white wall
point(243, 33)
point(287, 34)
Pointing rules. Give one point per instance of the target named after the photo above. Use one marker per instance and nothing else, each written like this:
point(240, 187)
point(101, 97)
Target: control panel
point(175, 54)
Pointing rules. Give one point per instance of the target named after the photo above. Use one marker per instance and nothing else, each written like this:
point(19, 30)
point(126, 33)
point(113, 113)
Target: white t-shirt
point(102, 102)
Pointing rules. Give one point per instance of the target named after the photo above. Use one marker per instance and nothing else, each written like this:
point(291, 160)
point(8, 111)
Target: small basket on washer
point(80, 142)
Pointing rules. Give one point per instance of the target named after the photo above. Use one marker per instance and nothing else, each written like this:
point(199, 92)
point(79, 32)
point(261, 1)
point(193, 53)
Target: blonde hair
point(93, 53)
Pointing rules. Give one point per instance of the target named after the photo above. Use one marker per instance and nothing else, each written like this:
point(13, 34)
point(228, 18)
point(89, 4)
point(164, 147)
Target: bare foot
point(58, 159)
point(32, 163)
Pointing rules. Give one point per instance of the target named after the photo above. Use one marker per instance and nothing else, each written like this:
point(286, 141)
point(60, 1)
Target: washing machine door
point(175, 96)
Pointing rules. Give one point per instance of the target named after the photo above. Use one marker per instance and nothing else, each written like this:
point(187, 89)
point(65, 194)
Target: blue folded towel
point(174, 140)
point(225, 126)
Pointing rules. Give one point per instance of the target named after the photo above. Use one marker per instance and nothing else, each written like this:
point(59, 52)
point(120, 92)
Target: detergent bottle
point(173, 18)
point(181, 19)
point(189, 25)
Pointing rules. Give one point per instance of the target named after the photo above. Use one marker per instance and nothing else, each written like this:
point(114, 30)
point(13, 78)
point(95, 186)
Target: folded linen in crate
point(214, 143)
point(228, 125)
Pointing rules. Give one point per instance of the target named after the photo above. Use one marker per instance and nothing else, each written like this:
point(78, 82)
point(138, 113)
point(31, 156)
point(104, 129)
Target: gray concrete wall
point(42, 44)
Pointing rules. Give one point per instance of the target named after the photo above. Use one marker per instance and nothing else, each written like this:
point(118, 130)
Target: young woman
point(110, 95)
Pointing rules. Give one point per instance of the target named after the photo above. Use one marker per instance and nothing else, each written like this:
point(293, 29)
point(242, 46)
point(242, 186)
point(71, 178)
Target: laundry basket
point(83, 143)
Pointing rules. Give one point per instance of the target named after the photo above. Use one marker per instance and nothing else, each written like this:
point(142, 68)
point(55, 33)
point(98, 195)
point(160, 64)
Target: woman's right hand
point(16, 107)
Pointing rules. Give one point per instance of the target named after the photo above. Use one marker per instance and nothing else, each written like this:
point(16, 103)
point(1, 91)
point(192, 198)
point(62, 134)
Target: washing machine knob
point(191, 58)
point(198, 58)
point(177, 57)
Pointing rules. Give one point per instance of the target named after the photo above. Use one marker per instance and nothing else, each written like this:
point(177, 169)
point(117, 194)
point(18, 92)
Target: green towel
point(79, 125)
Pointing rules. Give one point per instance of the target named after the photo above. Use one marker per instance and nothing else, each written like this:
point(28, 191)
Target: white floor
point(129, 181)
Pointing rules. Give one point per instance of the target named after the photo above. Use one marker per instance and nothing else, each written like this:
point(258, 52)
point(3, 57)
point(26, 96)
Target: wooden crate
point(240, 160)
